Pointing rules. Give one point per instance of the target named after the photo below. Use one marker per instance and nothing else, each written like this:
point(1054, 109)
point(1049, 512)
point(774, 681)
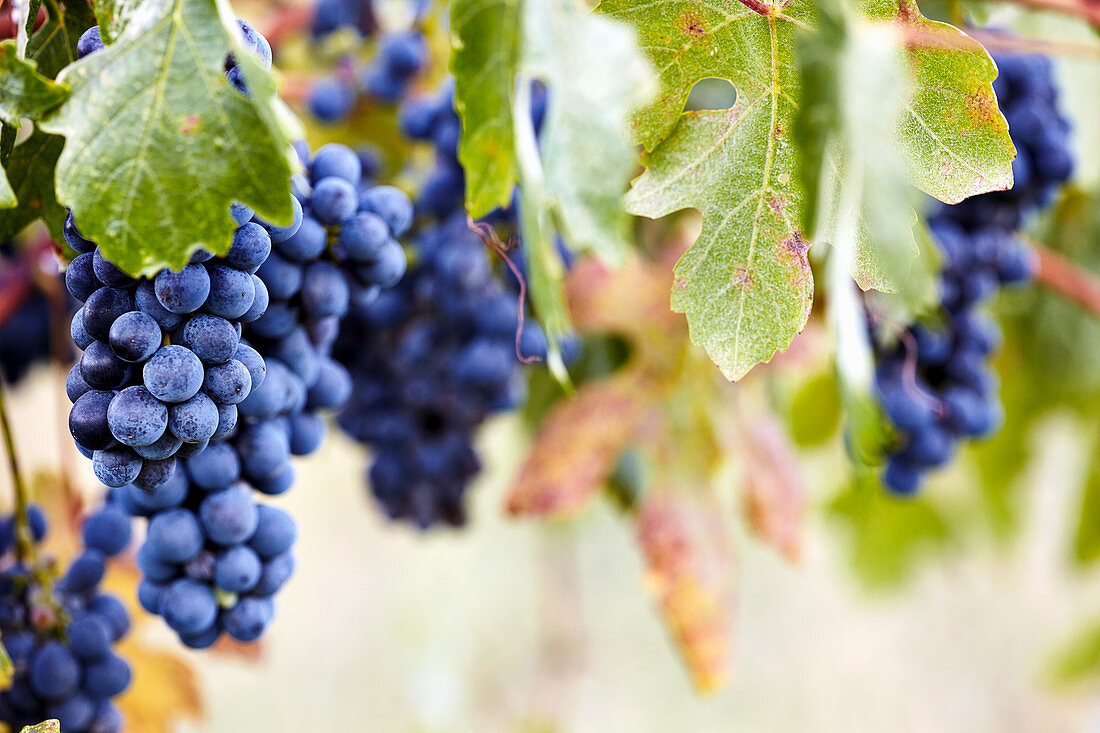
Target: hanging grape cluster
point(934, 381)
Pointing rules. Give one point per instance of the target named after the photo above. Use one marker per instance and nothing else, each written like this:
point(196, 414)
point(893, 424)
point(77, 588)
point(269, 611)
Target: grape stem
point(24, 541)
point(489, 237)
point(1058, 273)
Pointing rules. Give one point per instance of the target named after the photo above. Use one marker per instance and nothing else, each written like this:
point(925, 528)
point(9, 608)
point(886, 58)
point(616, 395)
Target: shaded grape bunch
point(61, 638)
point(430, 361)
point(934, 381)
point(213, 558)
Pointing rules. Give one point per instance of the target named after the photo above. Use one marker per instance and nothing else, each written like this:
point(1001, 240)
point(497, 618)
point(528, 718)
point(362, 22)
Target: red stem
point(1058, 273)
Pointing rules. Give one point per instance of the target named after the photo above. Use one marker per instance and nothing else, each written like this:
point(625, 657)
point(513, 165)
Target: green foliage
point(856, 183)
point(1078, 659)
point(745, 285)
point(7, 195)
point(951, 133)
point(572, 183)
point(887, 536)
point(813, 414)
point(158, 144)
point(23, 91)
point(484, 62)
point(31, 166)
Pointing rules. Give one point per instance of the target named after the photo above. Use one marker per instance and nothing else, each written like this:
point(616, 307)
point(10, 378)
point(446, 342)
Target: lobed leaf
point(158, 144)
point(32, 168)
point(951, 134)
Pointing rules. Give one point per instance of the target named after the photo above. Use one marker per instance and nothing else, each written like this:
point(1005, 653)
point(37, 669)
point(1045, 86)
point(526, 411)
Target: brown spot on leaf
point(982, 108)
point(792, 252)
point(778, 204)
point(691, 23)
point(742, 276)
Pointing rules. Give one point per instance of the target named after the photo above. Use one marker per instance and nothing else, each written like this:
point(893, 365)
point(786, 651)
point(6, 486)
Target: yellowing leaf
point(689, 572)
point(165, 689)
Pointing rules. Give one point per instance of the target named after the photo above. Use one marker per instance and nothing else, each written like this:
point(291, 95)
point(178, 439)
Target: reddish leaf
point(577, 447)
point(689, 571)
point(773, 488)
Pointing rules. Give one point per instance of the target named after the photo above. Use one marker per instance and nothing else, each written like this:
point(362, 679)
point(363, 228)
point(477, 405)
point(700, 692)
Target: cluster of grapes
point(25, 327)
point(163, 367)
point(934, 382)
point(386, 78)
point(213, 557)
point(60, 638)
point(432, 358)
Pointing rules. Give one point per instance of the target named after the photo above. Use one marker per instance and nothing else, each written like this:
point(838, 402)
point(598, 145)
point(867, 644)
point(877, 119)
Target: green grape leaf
point(573, 178)
point(852, 96)
point(31, 169)
point(952, 136)
point(7, 195)
point(25, 93)
point(158, 144)
point(745, 285)
point(484, 60)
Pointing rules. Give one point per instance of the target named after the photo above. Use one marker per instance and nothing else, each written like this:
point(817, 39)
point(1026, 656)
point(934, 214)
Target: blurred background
point(519, 626)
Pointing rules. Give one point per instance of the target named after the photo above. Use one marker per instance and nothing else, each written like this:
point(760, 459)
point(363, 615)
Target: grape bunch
point(934, 382)
point(431, 359)
point(163, 368)
point(60, 635)
point(214, 557)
